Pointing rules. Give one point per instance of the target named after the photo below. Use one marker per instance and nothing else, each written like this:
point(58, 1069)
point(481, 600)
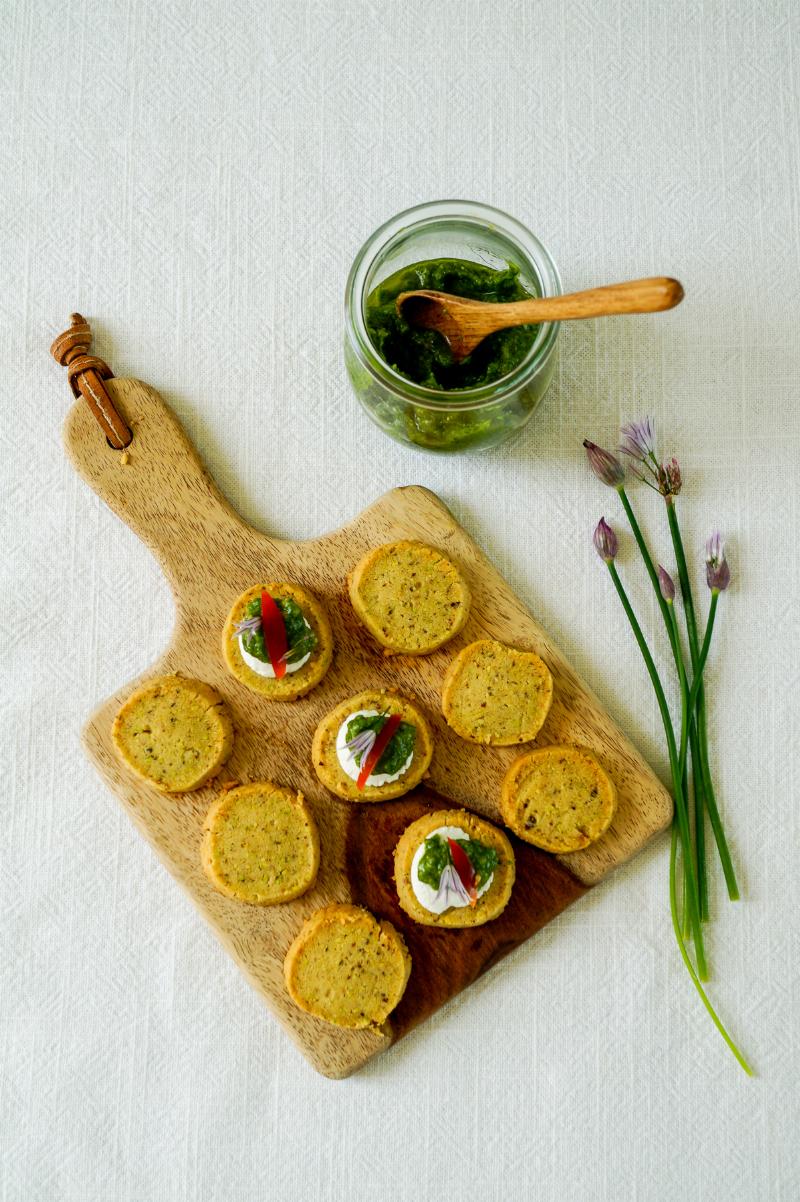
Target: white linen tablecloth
point(196, 178)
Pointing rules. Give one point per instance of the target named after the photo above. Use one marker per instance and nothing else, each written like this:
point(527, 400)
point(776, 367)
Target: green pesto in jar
point(424, 355)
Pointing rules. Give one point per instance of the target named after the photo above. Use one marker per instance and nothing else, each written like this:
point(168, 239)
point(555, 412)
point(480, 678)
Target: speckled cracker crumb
point(410, 597)
point(260, 844)
point(558, 798)
point(347, 967)
point(175, 732)
point(496, 694)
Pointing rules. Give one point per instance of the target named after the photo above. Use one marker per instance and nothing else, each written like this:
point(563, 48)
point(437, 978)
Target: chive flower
point(666, 584)
point(605, 541)
point(638, 443)
point(638, 440)
point(604, 465)
point(718, 574)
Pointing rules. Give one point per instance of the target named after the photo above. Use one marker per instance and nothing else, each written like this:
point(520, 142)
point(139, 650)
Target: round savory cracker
point(490, 902)
point(496, 694)
point(326, 747)
point(295, 683)
point(410, 597)
point(174, 732)
point(260, 844)
point(347, 968)
point(558, 798)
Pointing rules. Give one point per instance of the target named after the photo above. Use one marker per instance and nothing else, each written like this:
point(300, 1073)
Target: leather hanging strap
point(86, 374)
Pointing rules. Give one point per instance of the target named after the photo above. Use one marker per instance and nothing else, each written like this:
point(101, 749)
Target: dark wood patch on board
point(446, 961)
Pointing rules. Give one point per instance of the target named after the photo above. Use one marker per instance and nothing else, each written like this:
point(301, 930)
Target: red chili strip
point(273, 628)
point(382, 740)
point(463, 866)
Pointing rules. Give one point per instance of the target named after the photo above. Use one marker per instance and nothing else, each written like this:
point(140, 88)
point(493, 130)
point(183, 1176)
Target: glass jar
point(431, 418)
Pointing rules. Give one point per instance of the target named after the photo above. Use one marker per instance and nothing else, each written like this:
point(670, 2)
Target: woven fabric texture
point(196, 179)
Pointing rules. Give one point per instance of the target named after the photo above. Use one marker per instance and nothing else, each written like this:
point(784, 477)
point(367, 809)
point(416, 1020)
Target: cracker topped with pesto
point(453, 869)
point(278, 641)
point(372, 747)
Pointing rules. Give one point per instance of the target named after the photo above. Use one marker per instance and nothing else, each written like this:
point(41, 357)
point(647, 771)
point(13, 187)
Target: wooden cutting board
point(209, 555)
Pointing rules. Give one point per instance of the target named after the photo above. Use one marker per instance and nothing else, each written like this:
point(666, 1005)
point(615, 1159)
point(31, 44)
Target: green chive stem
point(690, 729)
point(699, 820)
point(713, 813)
point(702, 735)
point(685, 712)
point(697, 682)
point(648, 560)
point(676, 926)
point(681, 810)
point(677, 654)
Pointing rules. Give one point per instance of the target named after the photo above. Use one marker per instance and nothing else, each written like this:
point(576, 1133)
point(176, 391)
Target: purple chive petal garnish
point(718, 574)
point(638, 439)
point(605, 541)
point(362, 743)
point(247, 626)
point(451, 886)
point(604, 465)
point(666, 584)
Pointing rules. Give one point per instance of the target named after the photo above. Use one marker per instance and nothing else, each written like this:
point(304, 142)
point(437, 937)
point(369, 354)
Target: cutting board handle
point(159, 487)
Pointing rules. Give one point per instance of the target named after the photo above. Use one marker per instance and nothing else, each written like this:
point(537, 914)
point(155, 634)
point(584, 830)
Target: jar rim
point(428, 215)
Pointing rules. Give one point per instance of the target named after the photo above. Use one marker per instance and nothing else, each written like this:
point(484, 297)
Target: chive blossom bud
point(666, 584)
point(669, 478)
point(605, 541)
point(718, 574)
point(604, 465)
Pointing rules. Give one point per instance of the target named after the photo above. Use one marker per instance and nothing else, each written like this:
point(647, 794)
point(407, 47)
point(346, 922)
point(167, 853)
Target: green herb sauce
point(483, 859)
point(398, 749)
point(433, 861)
point(424, 355)
point(436, 857)
point(300, 639)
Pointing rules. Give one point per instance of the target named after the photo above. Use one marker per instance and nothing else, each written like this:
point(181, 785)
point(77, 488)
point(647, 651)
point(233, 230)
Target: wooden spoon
point(465, 323)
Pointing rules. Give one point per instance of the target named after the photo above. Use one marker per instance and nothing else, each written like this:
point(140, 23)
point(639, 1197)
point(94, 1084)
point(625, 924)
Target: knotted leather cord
point(86, 374)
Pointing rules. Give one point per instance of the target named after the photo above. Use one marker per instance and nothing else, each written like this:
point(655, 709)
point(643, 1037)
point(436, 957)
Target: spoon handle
point(634, 296)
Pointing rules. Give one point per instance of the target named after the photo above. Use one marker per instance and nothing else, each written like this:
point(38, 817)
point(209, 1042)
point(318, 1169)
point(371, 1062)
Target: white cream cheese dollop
point(347, 761)
point(266, 669)
point(428, 897)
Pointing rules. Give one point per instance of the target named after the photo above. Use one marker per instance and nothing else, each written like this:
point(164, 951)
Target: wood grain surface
point(209, 555)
